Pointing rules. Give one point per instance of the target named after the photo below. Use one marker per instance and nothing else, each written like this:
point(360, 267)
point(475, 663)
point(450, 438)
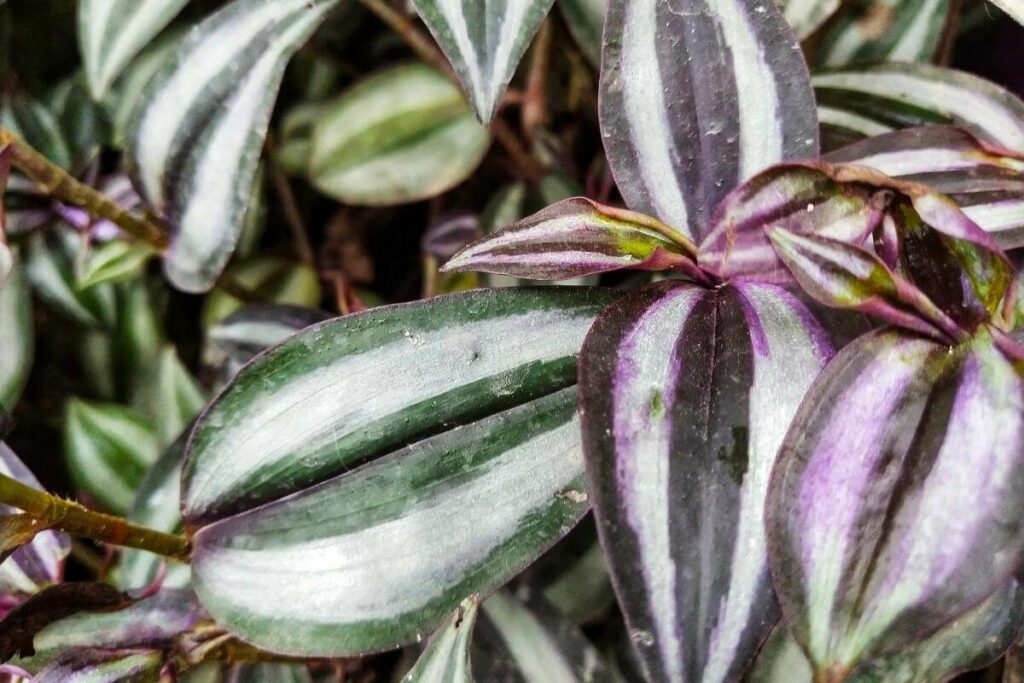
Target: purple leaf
point(697, 96)
point(577, 237)
point(686, 393)
point(100, 666)
point(897, 503)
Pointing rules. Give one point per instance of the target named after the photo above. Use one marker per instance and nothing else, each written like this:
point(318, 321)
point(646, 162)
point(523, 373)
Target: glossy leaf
point(805, 16)
point(446, 659)
point(39, 563)
point(474, 468)
point(17, 335)
point(885, 31)
point(484, 41)
point(697, 97)
point(874, 99)
point(109, 448)
point(400, 136)
point(986, 182)
point(971, 642)
point(573, 238)
point(199, 128)
point(686, 394)
point(585, 19)
point(112, 32)
point(881, 529)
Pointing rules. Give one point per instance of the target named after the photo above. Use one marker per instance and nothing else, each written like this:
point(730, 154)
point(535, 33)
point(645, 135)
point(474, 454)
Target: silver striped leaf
point(686, 394)
point(39, 563)
point(446, 659)
point(986, 182)
point(112, 32)
point(352, 486)
point(197, 134)
point(885, 31)
point(896, 505)
point(17, 335)
point(484, 41)
point(806, 16)
point(870, 100)
point(973, 641)
point(696, 97)
point(1015, 8)
point(98, 666)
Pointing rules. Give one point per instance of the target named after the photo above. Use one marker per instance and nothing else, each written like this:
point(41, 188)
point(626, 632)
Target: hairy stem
point(72, 518)
point(426, 50)
point(56, 182)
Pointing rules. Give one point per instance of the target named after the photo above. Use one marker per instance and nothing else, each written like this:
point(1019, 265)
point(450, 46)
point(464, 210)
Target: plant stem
point(429, 53)
point(70, 517)
point(57, 182)
point(535, 110)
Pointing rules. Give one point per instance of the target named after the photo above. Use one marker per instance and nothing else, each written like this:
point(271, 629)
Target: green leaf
point(96, 666)
point(403, 135)
point(109, 448)
point(271, 279)
point(585, 19)
point(17, 334)
point(484, 41)
point(36, 125)
point(199, 128)
point(463, 410)
point(112, 32)
point(83, 124)
point(50, 264)
point(113, 261)
point(446, 659)
point(177, 397)
point(885, 31)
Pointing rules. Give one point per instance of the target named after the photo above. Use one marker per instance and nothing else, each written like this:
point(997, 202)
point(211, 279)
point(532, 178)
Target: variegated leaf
point(446, 659)
point(484, 41)
point(686, 394)
point(904, 467)
point(99, 666)
point(573, 238)
point(697, 96)
point(805, 16)
point(112, 32)
point(17, 335)
point(585, 19)
point(39, 563)
point(970, 642)
point(199, 128)
point(399, 136)
point(462, 409)
point(986, 182)
point(109, 448)
point(50, 266)
point(885, 31)
point(1015, 8)
point(874, 99)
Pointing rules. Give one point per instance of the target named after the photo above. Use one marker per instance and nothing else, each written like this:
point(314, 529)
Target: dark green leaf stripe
point(884, 31)
point(686, 395)
point(198, 131)
point(904, 466)
point(112, 32)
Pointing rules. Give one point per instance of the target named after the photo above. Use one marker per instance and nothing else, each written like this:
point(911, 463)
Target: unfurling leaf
point(463, 410)
point(484, 41)
point(895, 506)
point(874, 99)
point(400, 136)
point(686, 394)
point(573, 238)
point(40, 562)
point(986, 182)
point(697, 97)
point(112, 32)
point(446, 659)
point(198, 130)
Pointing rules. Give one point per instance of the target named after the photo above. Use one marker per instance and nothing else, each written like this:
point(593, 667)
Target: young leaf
point(986, 182)
point(50, 266)
point(686, 394)
point(970, 642)
point(446, 659)
point(198, 131)
point(697, 97)
point(98, 666)
point(113, 261)
point(17, 335)
point(112, 32)
point(403, 135)
point(484, 41)
point(805, 16)
point(885, 31)
point(474, 467)
point(39, 563)
point(109, 448)
point(902, 468)
point(573, 238)
point(874, 99)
